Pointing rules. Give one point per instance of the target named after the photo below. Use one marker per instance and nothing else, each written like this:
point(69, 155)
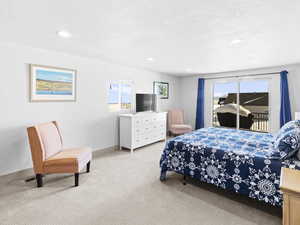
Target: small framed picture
point(52, 83)
point(161, 89)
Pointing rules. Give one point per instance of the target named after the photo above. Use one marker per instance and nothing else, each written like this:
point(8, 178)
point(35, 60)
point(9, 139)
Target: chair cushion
point(69, 160)
point(180, 128)
point(50, 138)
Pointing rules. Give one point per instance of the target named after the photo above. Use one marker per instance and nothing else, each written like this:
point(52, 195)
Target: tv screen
point(145, 102)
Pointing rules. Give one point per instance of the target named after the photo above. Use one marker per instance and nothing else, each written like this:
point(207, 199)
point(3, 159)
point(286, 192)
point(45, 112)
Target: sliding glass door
point(254, 97)
point(242, 104)
point(225, 97)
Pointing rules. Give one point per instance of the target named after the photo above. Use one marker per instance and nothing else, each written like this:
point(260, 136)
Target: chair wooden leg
point(39, 180)
point(88, 165)
point(76, 179)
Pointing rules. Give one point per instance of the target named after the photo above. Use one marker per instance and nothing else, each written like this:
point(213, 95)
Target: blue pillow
point(288, 144)
point(294, 124)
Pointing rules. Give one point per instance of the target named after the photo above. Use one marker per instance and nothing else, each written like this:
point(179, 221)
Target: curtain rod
point(243, 75)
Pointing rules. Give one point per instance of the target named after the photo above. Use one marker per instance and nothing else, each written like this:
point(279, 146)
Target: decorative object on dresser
point(137, 130)
point(176, 122)
point(161, 89)
point(290, 186)
point(52, 84)
point(48, 155)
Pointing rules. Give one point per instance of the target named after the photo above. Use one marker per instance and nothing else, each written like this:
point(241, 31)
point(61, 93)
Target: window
point(254, 96)
point(222, 92)
point(120, 95)
point(242, 104)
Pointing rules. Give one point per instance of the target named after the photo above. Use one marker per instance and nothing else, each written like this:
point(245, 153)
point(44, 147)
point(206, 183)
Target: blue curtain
point(285, 106)
point(200, 105)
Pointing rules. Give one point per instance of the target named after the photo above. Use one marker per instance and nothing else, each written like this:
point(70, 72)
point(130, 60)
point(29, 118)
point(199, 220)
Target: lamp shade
point(297, 115)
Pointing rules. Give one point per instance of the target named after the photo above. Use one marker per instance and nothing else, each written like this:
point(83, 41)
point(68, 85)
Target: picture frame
point(52, 84)
point(161, 89)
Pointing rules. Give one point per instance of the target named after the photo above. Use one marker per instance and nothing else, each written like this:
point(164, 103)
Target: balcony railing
point(261, 122)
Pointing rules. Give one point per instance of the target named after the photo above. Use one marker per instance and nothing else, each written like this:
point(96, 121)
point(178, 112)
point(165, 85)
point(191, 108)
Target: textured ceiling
point(172, 36)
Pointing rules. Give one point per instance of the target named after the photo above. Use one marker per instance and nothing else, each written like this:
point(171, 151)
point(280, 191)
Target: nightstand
point(290, 186)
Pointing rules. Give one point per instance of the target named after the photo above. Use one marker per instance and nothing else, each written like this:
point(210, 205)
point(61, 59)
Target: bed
point(241, 161)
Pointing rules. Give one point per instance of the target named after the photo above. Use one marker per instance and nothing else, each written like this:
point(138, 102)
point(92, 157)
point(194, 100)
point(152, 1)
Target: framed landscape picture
point(52, 83)
point(161, 89)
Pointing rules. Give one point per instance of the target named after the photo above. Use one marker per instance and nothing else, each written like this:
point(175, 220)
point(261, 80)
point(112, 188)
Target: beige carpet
point(125, 189)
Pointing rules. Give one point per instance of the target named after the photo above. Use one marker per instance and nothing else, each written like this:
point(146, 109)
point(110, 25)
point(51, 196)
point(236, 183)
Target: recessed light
point(150, 59)
point(64, 34)
point(236, 41)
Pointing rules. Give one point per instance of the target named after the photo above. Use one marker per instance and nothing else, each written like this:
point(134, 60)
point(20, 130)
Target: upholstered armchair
point(176, 124)
point(48, 155)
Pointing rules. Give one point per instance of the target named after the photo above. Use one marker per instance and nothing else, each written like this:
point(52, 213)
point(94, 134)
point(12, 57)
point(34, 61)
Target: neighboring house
point(255, 102)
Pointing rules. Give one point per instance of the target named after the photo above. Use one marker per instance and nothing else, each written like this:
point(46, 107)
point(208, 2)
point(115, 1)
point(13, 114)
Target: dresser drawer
point(147, 121)
point(142, 140)
point(147, 139)
point(138, 130)
point(154, 119)
point(162, 117)
point(159, 118)
point(138, 122)
point(151, 137)
point(141, 130)
point(138, 142)
point(159, 135)
point(150, 130)
point(155, 126)
point(162, 125)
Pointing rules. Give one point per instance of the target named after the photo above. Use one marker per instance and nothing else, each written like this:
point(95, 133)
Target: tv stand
point(137, 130)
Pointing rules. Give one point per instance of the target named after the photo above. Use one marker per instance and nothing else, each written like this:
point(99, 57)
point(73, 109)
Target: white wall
point(188, 89)
point(84, 122)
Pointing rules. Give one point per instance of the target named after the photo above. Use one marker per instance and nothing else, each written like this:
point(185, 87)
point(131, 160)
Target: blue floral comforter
point(231, 159)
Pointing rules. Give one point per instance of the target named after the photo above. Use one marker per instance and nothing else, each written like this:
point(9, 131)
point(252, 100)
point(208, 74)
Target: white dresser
point(137, 130)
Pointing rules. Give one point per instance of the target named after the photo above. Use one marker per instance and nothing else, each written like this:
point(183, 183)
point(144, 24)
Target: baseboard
point(99, 152)
point(26, 173)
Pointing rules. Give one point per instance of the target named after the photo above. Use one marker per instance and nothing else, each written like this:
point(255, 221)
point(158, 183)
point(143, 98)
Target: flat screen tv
point(145, 102)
